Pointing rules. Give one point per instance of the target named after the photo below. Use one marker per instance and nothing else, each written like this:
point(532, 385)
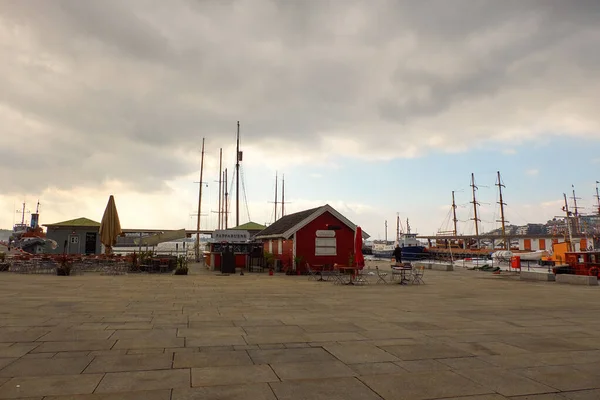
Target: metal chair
point(311, 274)
point(381, 276)
point(416, 277)
point(361, 278)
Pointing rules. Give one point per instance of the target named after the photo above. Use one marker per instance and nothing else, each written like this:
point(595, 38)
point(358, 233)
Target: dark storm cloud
point(121, 90)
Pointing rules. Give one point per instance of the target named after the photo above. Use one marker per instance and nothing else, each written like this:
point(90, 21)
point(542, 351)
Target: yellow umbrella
point(110, 227)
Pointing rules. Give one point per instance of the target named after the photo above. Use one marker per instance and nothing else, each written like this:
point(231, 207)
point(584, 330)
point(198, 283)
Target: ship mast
point(568, 220)
point(226, 207)
point(502, 204)
point(475, 203)
point(576, 213)
point(22, 211)
point(220, 212)
point(238, 157)
point(597, 197)
point(407, 226)
point(397, 228)
point(275, 210)
point(454, 214)
point(283, 195)
point(197, 247)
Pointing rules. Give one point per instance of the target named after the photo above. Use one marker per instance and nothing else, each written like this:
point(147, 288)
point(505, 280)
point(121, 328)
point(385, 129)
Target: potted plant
point(182, 267)
point(3, 263)
point(64, 268)
point(298, 260)
point(269, 260)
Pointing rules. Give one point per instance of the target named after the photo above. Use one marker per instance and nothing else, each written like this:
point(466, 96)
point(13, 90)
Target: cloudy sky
point(375, 107)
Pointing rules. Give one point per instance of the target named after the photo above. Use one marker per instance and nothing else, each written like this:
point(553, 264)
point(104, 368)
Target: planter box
point(537, 276)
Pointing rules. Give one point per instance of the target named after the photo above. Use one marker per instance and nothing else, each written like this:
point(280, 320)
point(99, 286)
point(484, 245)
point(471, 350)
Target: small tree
point(269, 259)
point(298, 261)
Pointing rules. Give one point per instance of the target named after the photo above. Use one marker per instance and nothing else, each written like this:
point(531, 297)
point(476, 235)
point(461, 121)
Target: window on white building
point(325, 246)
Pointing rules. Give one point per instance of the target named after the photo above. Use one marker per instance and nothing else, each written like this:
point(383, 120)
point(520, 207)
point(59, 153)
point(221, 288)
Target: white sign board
point(325, 233)
point(231, 235)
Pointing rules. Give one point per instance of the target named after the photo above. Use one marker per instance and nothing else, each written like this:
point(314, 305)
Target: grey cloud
point(154, 77)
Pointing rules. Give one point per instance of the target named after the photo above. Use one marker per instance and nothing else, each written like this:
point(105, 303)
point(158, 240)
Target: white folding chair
point(381, 276)
point(416, 277)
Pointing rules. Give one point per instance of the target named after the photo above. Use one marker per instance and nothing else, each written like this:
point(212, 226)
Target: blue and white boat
point(412, 249)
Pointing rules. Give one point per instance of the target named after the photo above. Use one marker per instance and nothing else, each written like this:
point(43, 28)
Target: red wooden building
point(320, 236)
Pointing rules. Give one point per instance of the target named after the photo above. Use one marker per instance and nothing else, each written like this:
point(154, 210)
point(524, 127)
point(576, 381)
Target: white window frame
point(325, 246)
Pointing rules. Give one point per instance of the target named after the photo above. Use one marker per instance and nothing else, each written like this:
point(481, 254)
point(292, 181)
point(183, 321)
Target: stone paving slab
point(16, 350)
point(70, 335)
point(211, 359)
point(44, 367)
point(259, 391)
point(21, 335)
point(280, 356)
point(124, 363)
point(232, 375)
point(144, 380)
point(330, 389)
point(312, 370)
point(88, 345)
point(356, 353)
point(49, 385)
point(424, 385)
point(506, 383)
point(562, 378)
point(139, 395)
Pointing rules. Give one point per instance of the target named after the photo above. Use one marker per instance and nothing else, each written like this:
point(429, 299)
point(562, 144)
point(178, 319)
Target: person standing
point(397, 254)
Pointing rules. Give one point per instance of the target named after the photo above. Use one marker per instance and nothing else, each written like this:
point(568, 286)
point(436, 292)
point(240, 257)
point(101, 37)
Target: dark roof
point(286, 223)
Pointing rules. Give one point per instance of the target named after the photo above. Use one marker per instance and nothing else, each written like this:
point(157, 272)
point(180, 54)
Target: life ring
point(593, 271)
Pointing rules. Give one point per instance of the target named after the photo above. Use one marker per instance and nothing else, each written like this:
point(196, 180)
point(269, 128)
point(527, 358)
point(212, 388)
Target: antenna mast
point(220, 222)
point(199, 205)
point(454, 214)
point(238, 157)
point(386, 231)
point(568, 220)
point(502, 204)
point(475, 204)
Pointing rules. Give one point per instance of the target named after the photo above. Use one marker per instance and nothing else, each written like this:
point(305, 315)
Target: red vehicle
point(580, 263)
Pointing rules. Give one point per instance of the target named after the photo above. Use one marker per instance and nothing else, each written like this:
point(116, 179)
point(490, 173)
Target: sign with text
point(325, 233)
point(231, 235)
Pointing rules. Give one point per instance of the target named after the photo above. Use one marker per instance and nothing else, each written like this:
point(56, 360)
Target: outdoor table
point(402, 270)
point(344, 269)
point(318, 268)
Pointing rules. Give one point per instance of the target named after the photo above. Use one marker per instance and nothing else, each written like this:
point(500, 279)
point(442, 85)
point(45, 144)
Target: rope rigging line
point(244, 192)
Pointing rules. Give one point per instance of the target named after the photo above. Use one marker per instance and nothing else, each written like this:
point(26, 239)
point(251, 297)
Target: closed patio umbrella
point(359, 259)
point(110, 227)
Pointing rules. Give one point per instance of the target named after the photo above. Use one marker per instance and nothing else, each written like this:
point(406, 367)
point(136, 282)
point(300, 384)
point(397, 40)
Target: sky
point(378, 108)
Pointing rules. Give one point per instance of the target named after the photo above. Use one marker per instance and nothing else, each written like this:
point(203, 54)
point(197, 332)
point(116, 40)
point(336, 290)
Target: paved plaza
point(462, 335)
